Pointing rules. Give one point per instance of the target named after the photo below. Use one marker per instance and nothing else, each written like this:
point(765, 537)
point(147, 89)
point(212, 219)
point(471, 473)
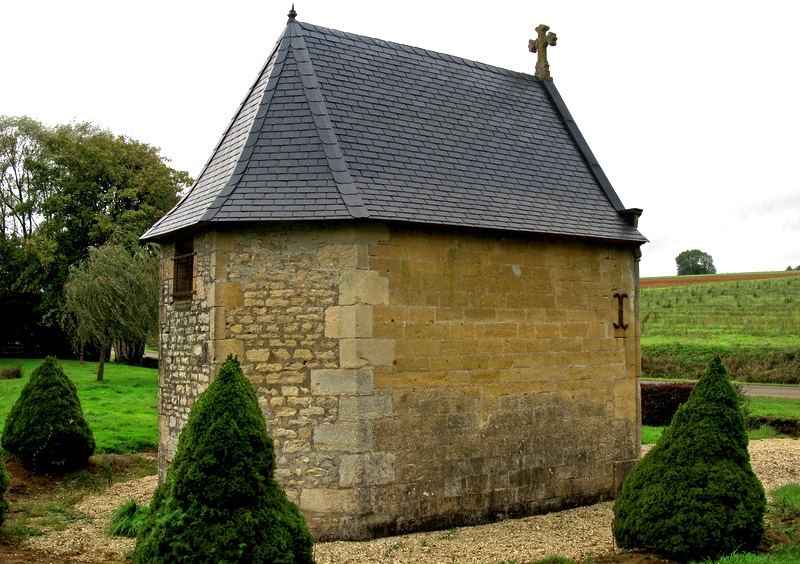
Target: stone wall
point(414, 379)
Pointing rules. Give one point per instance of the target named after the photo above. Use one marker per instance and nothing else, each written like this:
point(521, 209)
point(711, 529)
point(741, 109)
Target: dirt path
point(662, 281)
point(791, 392)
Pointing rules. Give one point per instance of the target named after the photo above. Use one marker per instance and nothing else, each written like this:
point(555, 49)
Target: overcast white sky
point(691, 107)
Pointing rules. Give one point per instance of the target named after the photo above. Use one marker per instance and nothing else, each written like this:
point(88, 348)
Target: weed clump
point(695, 495)
point(128, 519)
point(45, 426)
point(219, 501)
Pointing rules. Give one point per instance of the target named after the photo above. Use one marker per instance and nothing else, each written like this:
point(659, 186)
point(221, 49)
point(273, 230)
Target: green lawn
point(774, 407)
point(122, 410)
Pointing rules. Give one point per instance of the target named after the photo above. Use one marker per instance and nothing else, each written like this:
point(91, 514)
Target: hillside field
point(751, 320)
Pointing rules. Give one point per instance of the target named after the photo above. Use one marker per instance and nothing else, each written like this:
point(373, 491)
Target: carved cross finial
point(539, 46)
point(292, 15)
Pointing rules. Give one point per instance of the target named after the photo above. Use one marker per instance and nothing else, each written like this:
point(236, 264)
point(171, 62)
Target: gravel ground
point(575, 533)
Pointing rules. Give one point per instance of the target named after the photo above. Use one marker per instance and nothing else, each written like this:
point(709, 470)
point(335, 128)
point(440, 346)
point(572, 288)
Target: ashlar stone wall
point(415, 378)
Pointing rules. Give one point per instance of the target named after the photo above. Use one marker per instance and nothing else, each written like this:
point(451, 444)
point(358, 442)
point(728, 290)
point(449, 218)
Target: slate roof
point(339, 126)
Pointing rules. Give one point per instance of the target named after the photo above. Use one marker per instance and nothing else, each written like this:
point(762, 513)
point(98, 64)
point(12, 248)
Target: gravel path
point(575, 533)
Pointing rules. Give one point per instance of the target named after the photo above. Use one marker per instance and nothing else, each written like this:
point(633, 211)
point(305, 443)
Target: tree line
point(74, 200)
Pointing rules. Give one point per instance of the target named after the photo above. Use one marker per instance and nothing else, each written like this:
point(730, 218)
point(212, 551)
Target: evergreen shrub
point(219, 501)
point(4, 482)
point(694, 495)
point(45, 426)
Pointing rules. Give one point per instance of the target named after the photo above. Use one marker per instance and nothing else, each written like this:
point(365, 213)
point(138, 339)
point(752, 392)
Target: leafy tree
point(103, 183)
point(64, 190)
point(21, 147)
point(4, 482)
point(112, 297)
point(695, 262)
point(220, 501)
point(695, 495)
point(19, 326)
point(45, 426)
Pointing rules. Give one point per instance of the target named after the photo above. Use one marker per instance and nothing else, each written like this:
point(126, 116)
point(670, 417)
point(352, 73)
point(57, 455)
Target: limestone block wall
point(512, 391)
point(413, 379)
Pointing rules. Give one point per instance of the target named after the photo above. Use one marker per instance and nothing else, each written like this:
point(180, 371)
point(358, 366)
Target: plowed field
point(663, 281)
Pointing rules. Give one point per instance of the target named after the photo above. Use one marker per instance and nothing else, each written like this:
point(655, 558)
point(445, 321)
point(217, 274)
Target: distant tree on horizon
point(695, 261)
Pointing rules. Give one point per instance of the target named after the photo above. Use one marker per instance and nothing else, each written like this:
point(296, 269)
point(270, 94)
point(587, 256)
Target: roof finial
point(292, 15)
point(539, 45)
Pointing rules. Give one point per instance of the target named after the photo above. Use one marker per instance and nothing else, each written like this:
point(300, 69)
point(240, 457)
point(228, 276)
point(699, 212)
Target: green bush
point(4, 482)
point(695, 495)
point(45, 426)
point(220, 502)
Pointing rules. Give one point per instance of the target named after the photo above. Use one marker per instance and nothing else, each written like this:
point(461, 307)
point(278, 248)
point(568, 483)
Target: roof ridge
point(347, 188)
point(417, 50)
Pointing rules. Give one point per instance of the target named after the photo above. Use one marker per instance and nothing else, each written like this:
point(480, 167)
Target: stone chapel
point(428, 279)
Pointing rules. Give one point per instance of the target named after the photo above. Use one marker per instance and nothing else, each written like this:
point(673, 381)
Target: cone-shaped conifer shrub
point(4, 481)
point(45, 426)
point(695, 495)
point(219, 501)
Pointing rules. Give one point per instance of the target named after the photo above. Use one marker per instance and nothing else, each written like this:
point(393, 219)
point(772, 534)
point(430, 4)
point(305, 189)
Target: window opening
point(183, 279)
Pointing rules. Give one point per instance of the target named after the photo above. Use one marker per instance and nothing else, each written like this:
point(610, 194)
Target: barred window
point(183, 274)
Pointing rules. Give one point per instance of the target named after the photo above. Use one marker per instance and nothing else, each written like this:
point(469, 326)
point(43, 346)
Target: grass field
point(122, 410)
point(752, 321)
point(761, 312)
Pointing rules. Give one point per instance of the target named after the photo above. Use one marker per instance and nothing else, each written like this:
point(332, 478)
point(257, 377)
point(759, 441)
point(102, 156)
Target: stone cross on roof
point(539, 46)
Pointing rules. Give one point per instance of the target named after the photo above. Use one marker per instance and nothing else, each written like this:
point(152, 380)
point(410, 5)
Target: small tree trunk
point(102, 365)
point(81, 355)
point(129, 352)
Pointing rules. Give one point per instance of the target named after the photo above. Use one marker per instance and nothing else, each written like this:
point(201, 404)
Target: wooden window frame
point(183, 270)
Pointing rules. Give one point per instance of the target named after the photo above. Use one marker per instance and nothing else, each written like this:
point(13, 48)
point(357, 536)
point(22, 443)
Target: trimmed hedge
point(694, 495)
point(220, 502)
point(660, 401)
point(789, 427)
point(45, 426)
